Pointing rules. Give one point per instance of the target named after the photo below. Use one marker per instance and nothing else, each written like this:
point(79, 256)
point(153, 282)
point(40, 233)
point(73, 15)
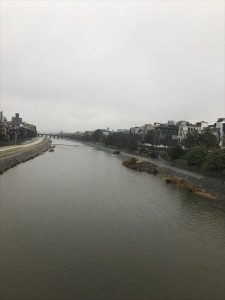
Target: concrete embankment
point(192, 182)
point(16, 156)
point(206, 183)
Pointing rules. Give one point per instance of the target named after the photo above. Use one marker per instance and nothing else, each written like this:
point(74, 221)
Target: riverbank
point(198, 181)
point(13, 156)
point(150, 168)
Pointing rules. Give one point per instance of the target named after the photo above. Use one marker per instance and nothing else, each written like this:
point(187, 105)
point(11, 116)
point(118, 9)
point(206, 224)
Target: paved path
point(22, 145)
point(166, 165)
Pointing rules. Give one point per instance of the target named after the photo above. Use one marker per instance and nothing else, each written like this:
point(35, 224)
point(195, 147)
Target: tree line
point(199, 149)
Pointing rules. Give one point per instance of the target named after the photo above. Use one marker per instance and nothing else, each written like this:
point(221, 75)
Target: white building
point(147, 127)
point(136, 130)
point(220, 126)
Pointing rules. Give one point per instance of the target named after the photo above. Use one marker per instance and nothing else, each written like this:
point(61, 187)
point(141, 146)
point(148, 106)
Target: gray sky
point(82, 65)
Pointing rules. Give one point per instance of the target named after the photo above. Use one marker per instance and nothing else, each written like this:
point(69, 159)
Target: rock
point(116, 152)
point(141, 166)
point(179, 182)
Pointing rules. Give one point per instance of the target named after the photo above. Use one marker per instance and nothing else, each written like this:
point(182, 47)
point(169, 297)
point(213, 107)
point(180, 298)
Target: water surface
point(76, 224)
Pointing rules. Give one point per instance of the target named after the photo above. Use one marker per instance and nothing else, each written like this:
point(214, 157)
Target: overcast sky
point(82, 65)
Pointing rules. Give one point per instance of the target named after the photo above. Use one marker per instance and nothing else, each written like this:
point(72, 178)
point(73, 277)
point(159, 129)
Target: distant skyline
point(83, 65)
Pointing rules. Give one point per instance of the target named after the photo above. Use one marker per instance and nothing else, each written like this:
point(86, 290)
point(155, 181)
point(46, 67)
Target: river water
point(76, 224)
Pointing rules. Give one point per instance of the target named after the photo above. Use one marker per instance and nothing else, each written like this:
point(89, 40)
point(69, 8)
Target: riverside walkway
point(14, 147)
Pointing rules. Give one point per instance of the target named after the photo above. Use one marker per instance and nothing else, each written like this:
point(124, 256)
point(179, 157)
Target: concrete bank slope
point(202, 181)
point(191, 181)
point(19, 155)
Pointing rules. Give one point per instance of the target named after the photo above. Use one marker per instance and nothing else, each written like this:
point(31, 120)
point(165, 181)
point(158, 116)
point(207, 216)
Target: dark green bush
point(196, 156)
point(164, 154)
point(215, 159)
point(176, 152)
point(154, 153)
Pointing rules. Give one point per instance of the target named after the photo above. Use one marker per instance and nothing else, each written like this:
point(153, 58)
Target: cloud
point(91, 64)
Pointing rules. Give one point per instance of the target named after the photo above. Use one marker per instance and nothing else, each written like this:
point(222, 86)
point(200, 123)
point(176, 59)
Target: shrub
point(215, 159)
point(181, 162)
point(175, 152)
point(164, 154)
point(196, 156)
point(154, 153)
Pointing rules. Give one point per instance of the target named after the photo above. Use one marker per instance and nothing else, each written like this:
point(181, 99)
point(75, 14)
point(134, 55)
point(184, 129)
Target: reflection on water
point(76, 224)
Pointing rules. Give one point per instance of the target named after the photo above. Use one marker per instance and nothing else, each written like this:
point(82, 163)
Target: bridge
point(52, 135)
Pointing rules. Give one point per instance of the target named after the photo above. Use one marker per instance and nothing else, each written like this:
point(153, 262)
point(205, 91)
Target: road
point(32, 143)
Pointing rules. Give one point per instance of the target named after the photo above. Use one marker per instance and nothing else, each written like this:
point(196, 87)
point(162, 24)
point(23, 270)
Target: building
point(16, 120)
point(125, 131)
point(202, 125)
point(164, 135)
point(185, 127)
point(137, 130)
point(147, 127)
point(167, 135)
point(1, 116)
point(220, 128)
point(11, 131)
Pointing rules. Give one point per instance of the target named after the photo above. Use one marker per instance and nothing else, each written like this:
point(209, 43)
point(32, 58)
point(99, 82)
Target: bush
point(175, 152)
point(181, 162)
point(215, 159)
point(164, 154)
point(154, 153)
point(196, 156)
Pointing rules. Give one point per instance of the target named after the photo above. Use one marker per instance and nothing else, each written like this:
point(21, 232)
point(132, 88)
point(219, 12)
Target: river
point(76, 224)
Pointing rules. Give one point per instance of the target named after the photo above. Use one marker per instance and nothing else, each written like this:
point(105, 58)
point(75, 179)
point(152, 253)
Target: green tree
point(97, 136)
point(176, 152)
point(192, 139)
point(196, 156)
point(215, 159)
point(208, 139)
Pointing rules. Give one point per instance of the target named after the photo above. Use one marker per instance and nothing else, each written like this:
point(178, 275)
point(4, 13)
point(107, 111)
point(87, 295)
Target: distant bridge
point(52, 135)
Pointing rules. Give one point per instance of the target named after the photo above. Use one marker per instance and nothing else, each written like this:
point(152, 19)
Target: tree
point(215, 159)
point(192, 139)
point(208, 139)
point(196, 156)
point(97, 135)
point(176, 152)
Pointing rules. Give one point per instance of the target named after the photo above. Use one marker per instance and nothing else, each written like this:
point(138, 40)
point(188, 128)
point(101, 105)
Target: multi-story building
point(147, 127)
point(15, 129)
point(123, 130)
point(185, 127)
point(220, 128)
point(16, 120)
point(136, 130)
point(165, 135)
point(1, 116)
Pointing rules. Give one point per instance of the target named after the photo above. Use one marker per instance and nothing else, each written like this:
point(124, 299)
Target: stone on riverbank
point(141, 166)
point(179, 182)
point(150, 168)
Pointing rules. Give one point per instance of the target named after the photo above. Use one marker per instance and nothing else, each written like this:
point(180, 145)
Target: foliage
point(208, 139)
point(154, 153)
point(164, 154)
point(122, 140)
point(176, 152)
point(182, 162)
point(205, 138)
point(97, 136)
point(215, 159)
point(192, 139)
point(196, 156)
